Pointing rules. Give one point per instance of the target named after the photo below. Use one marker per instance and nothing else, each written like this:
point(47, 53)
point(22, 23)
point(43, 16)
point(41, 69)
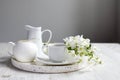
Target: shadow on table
point(6, 61)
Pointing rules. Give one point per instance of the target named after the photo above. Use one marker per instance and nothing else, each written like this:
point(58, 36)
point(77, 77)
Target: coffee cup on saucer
point(56, 52)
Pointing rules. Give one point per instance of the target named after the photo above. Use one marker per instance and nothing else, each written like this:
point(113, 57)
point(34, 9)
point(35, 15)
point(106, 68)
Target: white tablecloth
point(109, 70)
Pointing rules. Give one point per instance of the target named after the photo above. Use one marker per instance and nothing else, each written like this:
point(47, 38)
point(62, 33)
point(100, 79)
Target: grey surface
point(95, 19)
point(109, 70)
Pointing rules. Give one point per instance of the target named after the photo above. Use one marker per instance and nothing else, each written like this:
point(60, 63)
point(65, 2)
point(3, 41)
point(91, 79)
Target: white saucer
point(49, 62)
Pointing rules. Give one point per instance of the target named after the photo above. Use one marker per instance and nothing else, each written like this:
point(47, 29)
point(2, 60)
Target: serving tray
point(42, 68)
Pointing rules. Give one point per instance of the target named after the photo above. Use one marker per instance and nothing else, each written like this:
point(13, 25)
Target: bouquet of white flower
point(79, 46)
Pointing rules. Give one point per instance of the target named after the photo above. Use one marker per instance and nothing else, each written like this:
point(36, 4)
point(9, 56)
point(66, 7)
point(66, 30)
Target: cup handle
point(50, 35)
point(45, 49)
point(10, 52)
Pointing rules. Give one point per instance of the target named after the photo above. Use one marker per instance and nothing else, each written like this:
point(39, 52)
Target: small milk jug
point(23, 50)
point(35, 34)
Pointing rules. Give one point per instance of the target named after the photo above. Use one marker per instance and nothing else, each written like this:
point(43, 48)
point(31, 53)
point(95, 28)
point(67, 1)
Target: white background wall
point(95, 19)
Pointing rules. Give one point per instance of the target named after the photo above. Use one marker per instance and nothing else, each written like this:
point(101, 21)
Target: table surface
point(109, 70)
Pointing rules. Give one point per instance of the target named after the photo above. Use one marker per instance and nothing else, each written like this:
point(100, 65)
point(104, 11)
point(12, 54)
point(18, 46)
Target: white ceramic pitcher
point(35, 34)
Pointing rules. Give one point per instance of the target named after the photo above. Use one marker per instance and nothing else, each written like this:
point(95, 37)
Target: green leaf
point(69, 48)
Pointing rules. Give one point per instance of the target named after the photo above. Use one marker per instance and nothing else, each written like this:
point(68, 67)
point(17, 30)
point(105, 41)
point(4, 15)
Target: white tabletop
point(109, 70)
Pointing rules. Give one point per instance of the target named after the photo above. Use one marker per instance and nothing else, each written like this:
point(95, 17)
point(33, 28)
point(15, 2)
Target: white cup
point(56, 52)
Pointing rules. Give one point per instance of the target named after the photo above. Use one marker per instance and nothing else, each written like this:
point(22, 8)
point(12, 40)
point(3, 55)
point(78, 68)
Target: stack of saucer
point(47, 61)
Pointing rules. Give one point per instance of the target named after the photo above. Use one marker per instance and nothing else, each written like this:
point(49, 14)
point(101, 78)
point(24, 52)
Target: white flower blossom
point(85, 42)
point(72, 52)
point(77, 45)
point(72, 44)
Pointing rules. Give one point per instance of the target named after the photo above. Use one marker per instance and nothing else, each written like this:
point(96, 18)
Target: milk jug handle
point(47, 30)
point(10, 52)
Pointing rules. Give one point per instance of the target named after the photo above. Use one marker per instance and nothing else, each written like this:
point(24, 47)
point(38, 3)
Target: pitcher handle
point(11, 52)
point(50, 34)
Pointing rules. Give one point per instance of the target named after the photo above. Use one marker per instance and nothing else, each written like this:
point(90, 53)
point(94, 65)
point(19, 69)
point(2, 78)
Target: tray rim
point(46, 68)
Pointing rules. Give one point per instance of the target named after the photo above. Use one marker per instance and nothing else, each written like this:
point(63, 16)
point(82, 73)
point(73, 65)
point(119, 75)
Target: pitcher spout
point(29, 27)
